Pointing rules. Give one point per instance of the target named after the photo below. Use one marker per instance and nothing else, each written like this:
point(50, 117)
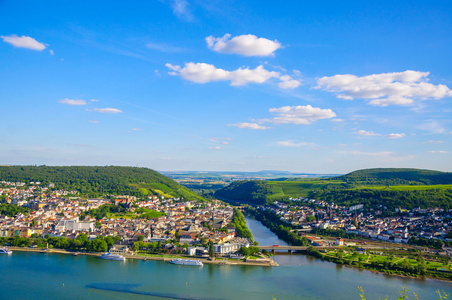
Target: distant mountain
point(397, 177)
point(94, 181)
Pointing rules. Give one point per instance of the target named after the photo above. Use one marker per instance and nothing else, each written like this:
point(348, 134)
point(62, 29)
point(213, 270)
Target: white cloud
point(291, 115)
point(23, 42)
point(338, 120)
point(136, 129)
point(439, 152)
point(246, 45)
point(384, 89)
point(94, 100)
point(51, 52)
point(203, 73)
point(72, 102)
point(396, 135)
point(433, 142)
point(93, 121)
point(181, 10)
point(215, 148)
point(108, 110)
point(300, 114)
point(366, 133)
point(250, 126)
point(288, 82)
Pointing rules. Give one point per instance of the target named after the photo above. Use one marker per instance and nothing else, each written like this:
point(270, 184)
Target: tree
point(211, 251)
point(136, 246)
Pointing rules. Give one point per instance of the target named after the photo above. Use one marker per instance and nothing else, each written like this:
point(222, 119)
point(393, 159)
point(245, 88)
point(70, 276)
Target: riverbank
point(409, 265)
point(261, 263)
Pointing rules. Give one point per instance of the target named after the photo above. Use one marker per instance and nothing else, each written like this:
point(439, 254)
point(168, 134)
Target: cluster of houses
point(58, 214)
point(431, 223)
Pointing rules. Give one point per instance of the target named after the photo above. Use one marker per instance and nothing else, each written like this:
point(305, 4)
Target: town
point(426, 227)
point(178, 225)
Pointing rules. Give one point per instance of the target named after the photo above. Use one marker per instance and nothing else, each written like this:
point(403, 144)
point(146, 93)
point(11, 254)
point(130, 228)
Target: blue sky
point(303, 86)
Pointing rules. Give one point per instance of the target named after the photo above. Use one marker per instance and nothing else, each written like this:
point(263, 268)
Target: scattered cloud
point(291, 115)
point(439, 152)
point(108, 110)
point(338, 120)
point(72, 102)
point(433, 142)
point(400, 88)
point(217, 140)
point(246, 45)
point(288, 82)
point(204, 73)
point(51, 52)
point(181, 9)
point(94, 100)
point(299, 114)
point(215, 148)
point(396, 135)
point(23, 42)
point(250, 126)
point(366, 133)
point(93, 121)
point(136, 129)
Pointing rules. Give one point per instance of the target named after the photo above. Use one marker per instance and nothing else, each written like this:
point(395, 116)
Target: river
point(26, 275)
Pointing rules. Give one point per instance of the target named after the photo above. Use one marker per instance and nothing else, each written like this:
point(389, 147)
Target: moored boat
point(5, 250)
point(110, 256)
point(187, 262)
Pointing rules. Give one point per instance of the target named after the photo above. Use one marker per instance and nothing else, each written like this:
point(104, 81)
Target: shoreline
point(269, 263)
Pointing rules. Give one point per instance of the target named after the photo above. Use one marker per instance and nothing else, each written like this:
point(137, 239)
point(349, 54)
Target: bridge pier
point(290, 251)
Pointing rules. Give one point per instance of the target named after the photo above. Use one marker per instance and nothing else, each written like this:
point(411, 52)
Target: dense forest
point(95, 181)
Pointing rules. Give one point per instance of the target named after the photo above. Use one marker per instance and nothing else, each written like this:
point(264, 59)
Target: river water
point(26, 275)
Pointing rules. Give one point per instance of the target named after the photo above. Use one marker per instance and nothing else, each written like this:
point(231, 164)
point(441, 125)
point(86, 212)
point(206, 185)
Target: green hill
point(388, 187)
point(94, 181)
point(396, 177)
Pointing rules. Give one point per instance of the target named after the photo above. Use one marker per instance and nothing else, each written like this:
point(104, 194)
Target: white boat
point(5, 250)
point(110, 256)
point(187, 262)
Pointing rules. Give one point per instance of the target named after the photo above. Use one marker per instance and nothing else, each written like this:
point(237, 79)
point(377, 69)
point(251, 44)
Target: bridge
point(290, 249)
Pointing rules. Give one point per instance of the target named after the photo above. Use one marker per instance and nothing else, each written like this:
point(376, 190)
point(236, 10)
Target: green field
point(298, 188)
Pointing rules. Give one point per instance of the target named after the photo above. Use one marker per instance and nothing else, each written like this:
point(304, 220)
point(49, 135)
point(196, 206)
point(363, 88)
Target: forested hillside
point(396, 177)
point(393, 188)
point(94, 181)
point(253, 191)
